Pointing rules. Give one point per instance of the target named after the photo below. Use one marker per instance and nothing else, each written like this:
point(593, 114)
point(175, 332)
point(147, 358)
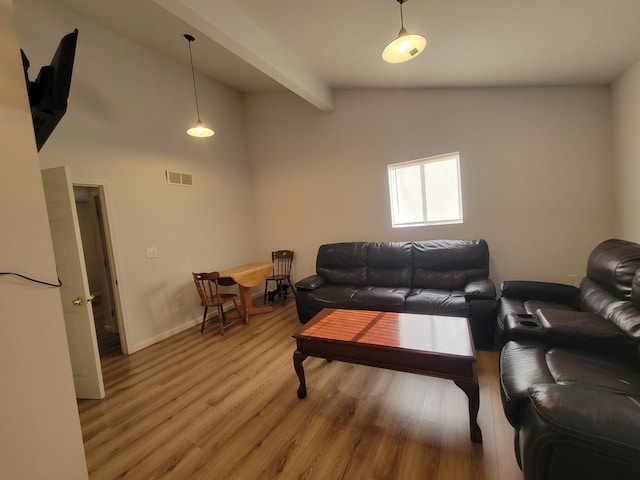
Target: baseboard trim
point(185, 326)
point(165, 335)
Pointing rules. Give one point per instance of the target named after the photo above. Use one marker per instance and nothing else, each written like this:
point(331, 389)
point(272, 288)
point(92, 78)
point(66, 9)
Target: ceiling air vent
point(177, 178)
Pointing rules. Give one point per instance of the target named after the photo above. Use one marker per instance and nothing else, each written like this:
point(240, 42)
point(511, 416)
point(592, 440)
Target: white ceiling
point(313, 46)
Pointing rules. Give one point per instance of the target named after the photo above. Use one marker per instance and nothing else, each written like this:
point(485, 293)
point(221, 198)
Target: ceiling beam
point(228, 27)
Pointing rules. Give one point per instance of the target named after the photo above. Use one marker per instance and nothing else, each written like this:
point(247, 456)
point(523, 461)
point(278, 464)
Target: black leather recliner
point(570, 370)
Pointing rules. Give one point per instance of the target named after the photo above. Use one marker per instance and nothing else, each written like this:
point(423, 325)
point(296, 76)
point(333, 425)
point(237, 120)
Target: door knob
point(79, 301)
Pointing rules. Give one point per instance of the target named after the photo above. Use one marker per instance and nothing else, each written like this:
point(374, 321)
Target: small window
point(426, 191)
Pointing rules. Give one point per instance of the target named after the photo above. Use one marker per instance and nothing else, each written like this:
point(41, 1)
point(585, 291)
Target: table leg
point(473, 393)
point(247, 304)
point(298, 358)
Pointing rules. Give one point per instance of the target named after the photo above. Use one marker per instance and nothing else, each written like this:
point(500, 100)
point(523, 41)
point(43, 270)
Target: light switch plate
point(151, 252)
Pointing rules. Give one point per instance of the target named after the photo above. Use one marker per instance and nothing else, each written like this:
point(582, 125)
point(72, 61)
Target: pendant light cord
point(193, 75)
point(401, 16)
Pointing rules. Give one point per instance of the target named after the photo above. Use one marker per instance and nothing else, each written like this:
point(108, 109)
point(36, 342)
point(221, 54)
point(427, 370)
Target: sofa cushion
point(389, 299)
point(449, 264)
point(389, 264)
point(437, 302)
point(343, 263)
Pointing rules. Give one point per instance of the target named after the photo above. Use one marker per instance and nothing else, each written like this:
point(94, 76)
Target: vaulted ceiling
point(313, 46)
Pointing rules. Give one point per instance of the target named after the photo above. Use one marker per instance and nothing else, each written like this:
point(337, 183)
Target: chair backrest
point(282, 260)
point(207, 285)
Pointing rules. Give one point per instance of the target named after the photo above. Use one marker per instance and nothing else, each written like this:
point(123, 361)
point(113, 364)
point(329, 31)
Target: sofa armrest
point(580, 432)
point(310, 283)
point(597, 414)
point(480, 289)
point(578, 324)
point(541, 291)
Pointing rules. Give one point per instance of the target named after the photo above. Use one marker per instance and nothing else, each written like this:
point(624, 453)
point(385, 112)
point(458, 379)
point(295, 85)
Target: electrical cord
point(59, 284)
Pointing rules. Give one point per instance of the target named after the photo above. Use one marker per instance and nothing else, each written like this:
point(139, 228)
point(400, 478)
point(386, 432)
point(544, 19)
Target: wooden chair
point(207, 285)
point(282, 260)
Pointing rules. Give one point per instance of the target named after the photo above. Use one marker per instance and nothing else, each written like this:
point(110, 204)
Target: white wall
point(536, 171)
point(128, 111)
point(626, 123)
point(39, 426)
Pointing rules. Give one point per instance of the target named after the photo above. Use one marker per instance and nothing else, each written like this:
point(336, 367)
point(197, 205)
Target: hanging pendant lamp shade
point(405, 46)
point(199, 129)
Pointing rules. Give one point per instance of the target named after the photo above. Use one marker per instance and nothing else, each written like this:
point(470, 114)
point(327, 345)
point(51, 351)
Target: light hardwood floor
point(210, 407)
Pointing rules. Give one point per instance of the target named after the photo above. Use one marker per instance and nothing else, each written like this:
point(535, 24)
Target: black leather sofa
point(441, 277)
point(570, 369)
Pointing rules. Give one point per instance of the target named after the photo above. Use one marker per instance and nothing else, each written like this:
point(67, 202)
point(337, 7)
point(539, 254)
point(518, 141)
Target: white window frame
point(396, 221)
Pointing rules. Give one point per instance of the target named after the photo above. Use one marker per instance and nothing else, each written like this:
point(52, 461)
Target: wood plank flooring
point(211, 407)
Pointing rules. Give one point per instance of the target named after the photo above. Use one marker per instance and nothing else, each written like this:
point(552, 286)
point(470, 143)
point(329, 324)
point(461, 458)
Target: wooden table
point(247, 276)
point(430, 345)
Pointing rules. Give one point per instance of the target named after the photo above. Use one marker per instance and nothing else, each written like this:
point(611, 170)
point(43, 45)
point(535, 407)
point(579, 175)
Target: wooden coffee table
point(430, 345)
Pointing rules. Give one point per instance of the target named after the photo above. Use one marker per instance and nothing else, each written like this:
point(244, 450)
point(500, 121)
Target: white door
point(78, 317)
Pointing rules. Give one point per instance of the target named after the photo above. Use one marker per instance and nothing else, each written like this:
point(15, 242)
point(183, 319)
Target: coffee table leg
point(473, 393)
point(298, 358)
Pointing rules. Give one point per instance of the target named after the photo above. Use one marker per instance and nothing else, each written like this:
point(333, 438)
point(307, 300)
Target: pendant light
point(199, 129)
point(406, 45)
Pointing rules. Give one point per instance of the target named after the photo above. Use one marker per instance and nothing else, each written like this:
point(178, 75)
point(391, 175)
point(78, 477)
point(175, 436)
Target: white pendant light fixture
point(199, 129)
point(406, 45)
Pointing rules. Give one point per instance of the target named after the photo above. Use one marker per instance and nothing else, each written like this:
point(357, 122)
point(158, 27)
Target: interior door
point(78, 317)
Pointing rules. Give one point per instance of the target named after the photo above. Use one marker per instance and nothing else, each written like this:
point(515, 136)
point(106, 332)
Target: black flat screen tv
point(49, 93)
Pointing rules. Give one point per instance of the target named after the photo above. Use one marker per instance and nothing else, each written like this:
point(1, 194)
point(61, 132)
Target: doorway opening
point(98, 258)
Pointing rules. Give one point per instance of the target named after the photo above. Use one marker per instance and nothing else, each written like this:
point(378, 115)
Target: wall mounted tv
point(49, 93)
